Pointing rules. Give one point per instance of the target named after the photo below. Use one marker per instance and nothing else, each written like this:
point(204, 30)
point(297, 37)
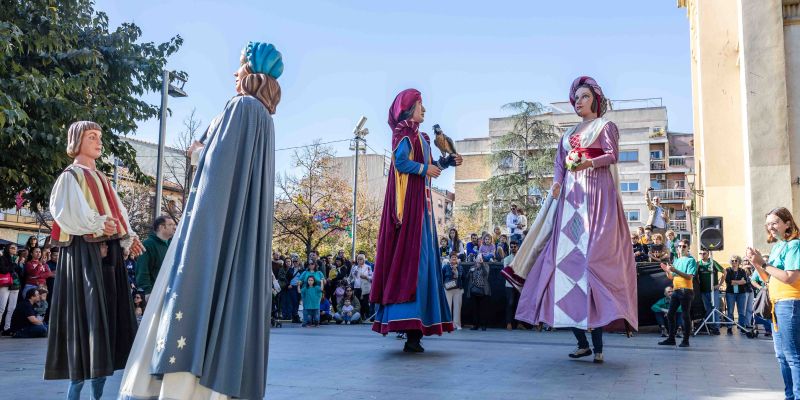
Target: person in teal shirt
point(782, 271)
point(682, 271)
point(312, 296)
point(660, 309)
point(758, 284)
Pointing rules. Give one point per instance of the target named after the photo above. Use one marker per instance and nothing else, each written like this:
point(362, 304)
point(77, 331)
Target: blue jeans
point(786, 339)
point(310, 316)
point(33, 331)
point(707, 305)
point(75, 387)
point(740, 300)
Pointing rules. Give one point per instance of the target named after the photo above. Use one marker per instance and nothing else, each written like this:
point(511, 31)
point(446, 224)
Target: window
point(656, 155)
point(506, 163)
point(628, 156)
point(680, 215)
point(632, 215)
point(629, 186)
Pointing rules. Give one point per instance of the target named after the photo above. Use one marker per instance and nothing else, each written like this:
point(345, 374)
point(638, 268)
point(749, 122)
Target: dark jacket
point(478, 283)
point(149, 263)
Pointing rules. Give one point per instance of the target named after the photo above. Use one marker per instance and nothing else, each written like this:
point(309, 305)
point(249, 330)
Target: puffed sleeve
point(70, 209)
point(403, 164)
point(609, 142)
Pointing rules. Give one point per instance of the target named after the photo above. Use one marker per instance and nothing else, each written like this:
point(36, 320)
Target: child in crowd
point(339, 292)
point(311, 294)
point(488, 248)
point(347, 312)
point(325, 315)
point(41, 307)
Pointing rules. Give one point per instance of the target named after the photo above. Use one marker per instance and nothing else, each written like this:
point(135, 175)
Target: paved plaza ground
point(351, 362)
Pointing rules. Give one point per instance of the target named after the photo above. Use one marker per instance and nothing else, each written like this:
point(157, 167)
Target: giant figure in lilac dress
point(584, 277)
point(407, 284)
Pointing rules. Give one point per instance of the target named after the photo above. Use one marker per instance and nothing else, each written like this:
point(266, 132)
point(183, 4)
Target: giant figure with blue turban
point(205, 332)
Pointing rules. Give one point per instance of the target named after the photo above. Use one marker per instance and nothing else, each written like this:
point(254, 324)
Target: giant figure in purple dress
point(584, 277)
point(407, 285)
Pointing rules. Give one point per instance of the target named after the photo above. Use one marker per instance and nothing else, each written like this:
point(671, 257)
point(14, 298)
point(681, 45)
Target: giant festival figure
point(576, 266)
point(205, 332)
point(407, 287)
point(92, 325)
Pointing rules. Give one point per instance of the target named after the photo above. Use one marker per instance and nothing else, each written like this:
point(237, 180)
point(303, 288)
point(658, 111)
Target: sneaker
point(5, 333)
point(579, 352)
point(730, 331)
point(663, 331)
point(684, 343)
point(667, 342)
point(598, 358)
point(401, 336)
point(474, 328)
point(715, 332)
point(413, 348)
point(483, 328)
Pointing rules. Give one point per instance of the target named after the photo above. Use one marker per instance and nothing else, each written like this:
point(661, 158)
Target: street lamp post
point(167, 89)
point(360, 132)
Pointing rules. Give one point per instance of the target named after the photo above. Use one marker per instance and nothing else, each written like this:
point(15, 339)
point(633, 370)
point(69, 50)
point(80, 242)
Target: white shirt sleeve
point(70, 209)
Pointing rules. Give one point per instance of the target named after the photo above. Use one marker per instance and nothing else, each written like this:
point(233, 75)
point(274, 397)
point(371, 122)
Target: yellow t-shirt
point(687, 265)
point(785, 256)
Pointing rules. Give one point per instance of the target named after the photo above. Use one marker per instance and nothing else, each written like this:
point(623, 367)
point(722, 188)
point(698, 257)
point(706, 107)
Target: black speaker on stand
point(711, 237)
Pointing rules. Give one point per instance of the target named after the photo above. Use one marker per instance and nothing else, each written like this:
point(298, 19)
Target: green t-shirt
point(704, 274)
point(663, 303)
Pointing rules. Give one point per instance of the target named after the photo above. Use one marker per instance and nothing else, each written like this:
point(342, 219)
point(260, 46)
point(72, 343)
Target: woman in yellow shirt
point(782, 270)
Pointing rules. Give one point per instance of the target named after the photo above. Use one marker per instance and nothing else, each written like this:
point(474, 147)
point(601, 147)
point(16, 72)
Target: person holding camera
point(736, 288)
point(682, 272)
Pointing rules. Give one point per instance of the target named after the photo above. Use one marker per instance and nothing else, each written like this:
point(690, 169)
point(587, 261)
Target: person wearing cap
point(207, 318)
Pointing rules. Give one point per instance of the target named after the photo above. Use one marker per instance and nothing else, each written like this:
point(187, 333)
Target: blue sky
point(348, 58)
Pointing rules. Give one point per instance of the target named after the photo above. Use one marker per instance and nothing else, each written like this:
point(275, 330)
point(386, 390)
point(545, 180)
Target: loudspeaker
point(711, 237)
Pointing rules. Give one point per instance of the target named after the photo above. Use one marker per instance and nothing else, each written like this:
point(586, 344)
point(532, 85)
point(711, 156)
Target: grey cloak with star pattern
point(209, 310)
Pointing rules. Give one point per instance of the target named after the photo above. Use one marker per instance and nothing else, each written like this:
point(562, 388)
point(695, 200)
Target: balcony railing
point(681, 162)
point(658, 165)
point(679, 226)
point(670, 194)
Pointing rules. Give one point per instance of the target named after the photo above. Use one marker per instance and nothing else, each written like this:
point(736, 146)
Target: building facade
point(650, 156)
point(745, 64)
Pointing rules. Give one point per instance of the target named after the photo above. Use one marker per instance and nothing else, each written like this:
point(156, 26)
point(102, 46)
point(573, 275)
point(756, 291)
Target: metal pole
point(355, 199)
point(162, 136)
point(116, 174)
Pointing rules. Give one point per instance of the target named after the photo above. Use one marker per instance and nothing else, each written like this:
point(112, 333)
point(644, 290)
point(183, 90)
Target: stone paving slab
point(351, 362)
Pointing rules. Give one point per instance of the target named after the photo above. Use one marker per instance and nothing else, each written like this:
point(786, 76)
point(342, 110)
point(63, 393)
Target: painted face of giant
point(91, 144)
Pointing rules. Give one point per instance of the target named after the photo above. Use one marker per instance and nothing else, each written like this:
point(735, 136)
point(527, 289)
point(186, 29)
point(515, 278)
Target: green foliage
point(59, 63)
point(521, 162)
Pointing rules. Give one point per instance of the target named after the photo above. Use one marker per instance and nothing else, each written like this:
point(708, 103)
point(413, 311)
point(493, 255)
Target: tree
point(138, 201)
point(178, 170)
point(313, 208)
point(522, 159)
point(60, 63)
